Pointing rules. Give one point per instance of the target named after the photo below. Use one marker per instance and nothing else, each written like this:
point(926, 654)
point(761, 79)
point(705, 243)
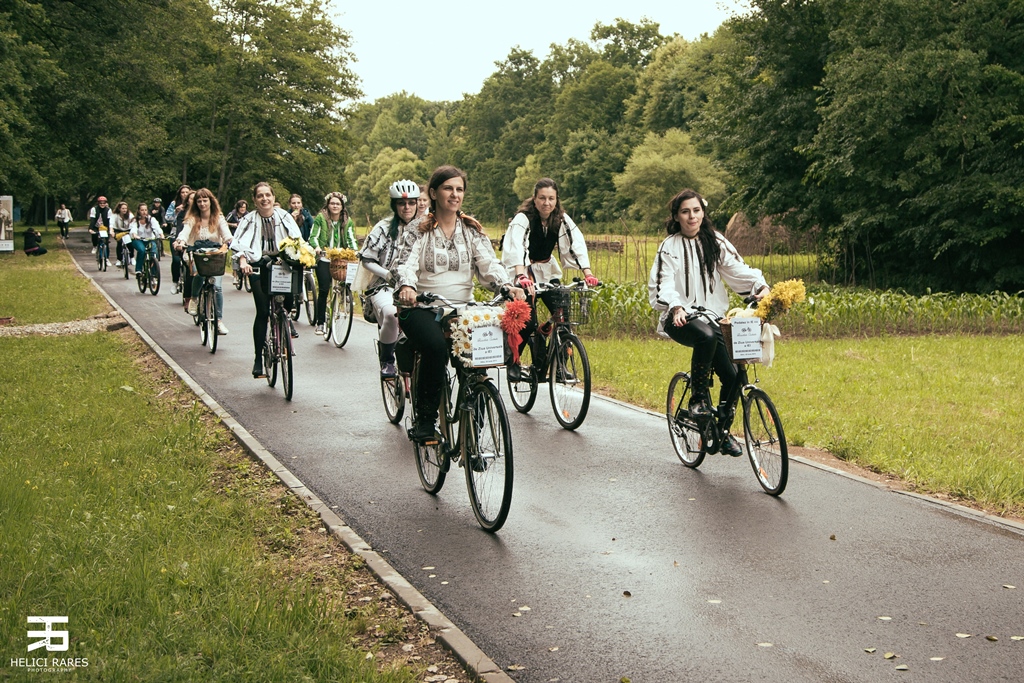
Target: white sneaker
point(193, 306)
point(319, 329)
point(221, 327)
point(117, 264)
point(94, 250)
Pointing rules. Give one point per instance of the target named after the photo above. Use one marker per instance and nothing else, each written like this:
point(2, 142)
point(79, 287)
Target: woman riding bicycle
point(205, 226)
point(257, 243)
point(120, 225)
point(541, 226)
point(331, 230)
point(688, 273)
point(145, 230)
point(173, 218)
point(449, 247)
point(379, 257)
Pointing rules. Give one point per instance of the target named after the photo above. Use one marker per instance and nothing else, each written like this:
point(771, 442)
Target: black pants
point(63, 225)
point(424, 334)
point(261, 297)
point(709, 352)
point(323, 288)
point(38, 251)
point(533, 323)
point(175, 264)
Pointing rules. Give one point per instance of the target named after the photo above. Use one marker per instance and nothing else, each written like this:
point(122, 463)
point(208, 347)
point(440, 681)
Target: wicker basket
point(579, 306)
point(339, 269)
point(210, 264)
point(726, 326)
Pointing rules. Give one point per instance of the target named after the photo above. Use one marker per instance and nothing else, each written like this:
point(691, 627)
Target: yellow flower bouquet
point(335, 254)
point(297, 249)
point(778, 301)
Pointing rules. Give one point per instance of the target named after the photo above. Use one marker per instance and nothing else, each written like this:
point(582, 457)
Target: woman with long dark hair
point(688, 272)
point(173, 218)
point(447, 249)
point(539, 228)
point(331, 230)
point(204, 223)
point(257, 243)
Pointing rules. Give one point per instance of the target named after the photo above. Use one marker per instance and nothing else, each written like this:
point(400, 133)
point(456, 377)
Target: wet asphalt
point(616, 560)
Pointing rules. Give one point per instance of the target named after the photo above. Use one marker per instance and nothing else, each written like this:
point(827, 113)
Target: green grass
point(46, 288)
point(120, 512)
point(940, 412)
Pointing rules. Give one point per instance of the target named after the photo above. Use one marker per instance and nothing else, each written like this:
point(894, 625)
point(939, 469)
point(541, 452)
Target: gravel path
point(104, 322)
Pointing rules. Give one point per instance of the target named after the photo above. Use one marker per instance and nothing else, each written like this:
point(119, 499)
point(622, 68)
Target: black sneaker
point(699, 408)
point(731, 446)
point(422, 431)
point(295, 333)
point(515, 372)
point(257, 370)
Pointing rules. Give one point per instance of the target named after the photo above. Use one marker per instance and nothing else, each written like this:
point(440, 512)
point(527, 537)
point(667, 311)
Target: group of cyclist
point(429, 244)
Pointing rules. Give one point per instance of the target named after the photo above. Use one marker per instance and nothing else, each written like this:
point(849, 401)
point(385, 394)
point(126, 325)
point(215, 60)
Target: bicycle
point(149, 276)
point(764, 438)
point(340, 304)
point(209, 265)
point(102, 250)
point(561, 362)
point(482, 444)
point(125, 240)
point(277, 350)
point(306, 298)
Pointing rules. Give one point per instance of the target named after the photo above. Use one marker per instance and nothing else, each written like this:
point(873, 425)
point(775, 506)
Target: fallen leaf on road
point(885, 618)
point(627, 594)
point(832, 537)
point(937, 659)
point(524, 608)
point(903, 667)
point(675, 564)
point(553, 649)
point(427, 569)
point(1016, 637)
point(715, 602)
point(963, 635)
point(992, 639)
point(870, 650)
point(515, 667)
point(891, 655)
point(1008, 586)
point(517, 614)
point(764, 644)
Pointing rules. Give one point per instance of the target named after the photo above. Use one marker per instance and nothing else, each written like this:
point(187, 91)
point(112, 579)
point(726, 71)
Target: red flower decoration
point(517, 314)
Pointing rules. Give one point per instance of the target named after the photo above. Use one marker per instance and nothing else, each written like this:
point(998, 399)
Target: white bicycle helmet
point(404, 189)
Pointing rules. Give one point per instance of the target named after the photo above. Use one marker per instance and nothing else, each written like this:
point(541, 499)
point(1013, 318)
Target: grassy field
point(46, 288)
point(940, 412)
point(125, 507)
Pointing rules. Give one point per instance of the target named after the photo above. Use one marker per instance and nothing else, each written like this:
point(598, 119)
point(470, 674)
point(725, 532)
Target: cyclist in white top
point(145, 230)
point(688, 273)
point(120, 225)
point(204, 223)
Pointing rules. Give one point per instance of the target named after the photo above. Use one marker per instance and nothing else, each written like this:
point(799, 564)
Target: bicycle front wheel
point(154, 277)
point(142, 279)
point(524, 391)
point(684, 431)
point(202, 320)
point(342, 323)
point(487, 456)
point(570, 381)
point(286, 358)
point(766, 442)
point(310, 284)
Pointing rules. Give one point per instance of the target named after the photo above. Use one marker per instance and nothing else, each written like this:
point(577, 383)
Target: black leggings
point(709, 352)
point(424, 334)
point(260, 296)
point(323, 288)
point(533, 323)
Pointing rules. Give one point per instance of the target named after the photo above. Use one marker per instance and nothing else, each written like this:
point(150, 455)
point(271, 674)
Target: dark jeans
point(175, 264)
point(261, 297)
point(323, 288)
point(709, 352)
point(423, 333)
point(63, 225)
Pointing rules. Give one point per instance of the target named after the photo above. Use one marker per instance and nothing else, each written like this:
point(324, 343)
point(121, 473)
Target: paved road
point(620, 561)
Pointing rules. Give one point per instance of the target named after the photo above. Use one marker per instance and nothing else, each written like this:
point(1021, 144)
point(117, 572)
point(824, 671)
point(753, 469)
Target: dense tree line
point(130, 98)
point(890, 130)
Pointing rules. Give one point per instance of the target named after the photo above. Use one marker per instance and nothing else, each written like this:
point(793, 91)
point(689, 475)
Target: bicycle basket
point(579, 307)
point(339, 269)
point(557, 298)
point(210, 264)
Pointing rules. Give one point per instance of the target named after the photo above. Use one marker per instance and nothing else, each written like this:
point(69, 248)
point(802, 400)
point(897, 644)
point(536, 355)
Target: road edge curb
point(444, 630)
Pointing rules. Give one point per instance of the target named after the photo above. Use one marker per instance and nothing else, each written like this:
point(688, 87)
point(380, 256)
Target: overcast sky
point(402, 45)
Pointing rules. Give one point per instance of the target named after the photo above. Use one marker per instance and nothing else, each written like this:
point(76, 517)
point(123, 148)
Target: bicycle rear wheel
point(270, 353)
point(766, 442)
point(392, 389)
point(142, 279)
point(487, 455)
point(125, 261)
point(342, 324)
point(201, 319)
point(432, 461)
point(524, 392)
point(570, 381)
point(154, 277)
point(685, 434)
point(309, 282)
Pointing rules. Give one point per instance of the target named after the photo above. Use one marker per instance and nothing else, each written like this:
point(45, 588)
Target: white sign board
point(350, 273)
point(746, 339)
point(280, 279)
point(6, 223)
point(488, 347)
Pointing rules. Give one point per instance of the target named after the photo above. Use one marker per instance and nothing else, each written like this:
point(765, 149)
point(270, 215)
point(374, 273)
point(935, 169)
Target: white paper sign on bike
point(746, 339)
point(127, 239)
point(488, 347)
point(280, 280)
point(351, 272)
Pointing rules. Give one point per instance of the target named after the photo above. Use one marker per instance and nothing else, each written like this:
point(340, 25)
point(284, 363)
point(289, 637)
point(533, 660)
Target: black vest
point(542, 243)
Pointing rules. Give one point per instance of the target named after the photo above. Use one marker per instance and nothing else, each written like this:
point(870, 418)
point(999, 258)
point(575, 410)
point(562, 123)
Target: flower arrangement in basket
point(298, 250)
point(473, 321)
point(778, 301)
point(340, 258)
